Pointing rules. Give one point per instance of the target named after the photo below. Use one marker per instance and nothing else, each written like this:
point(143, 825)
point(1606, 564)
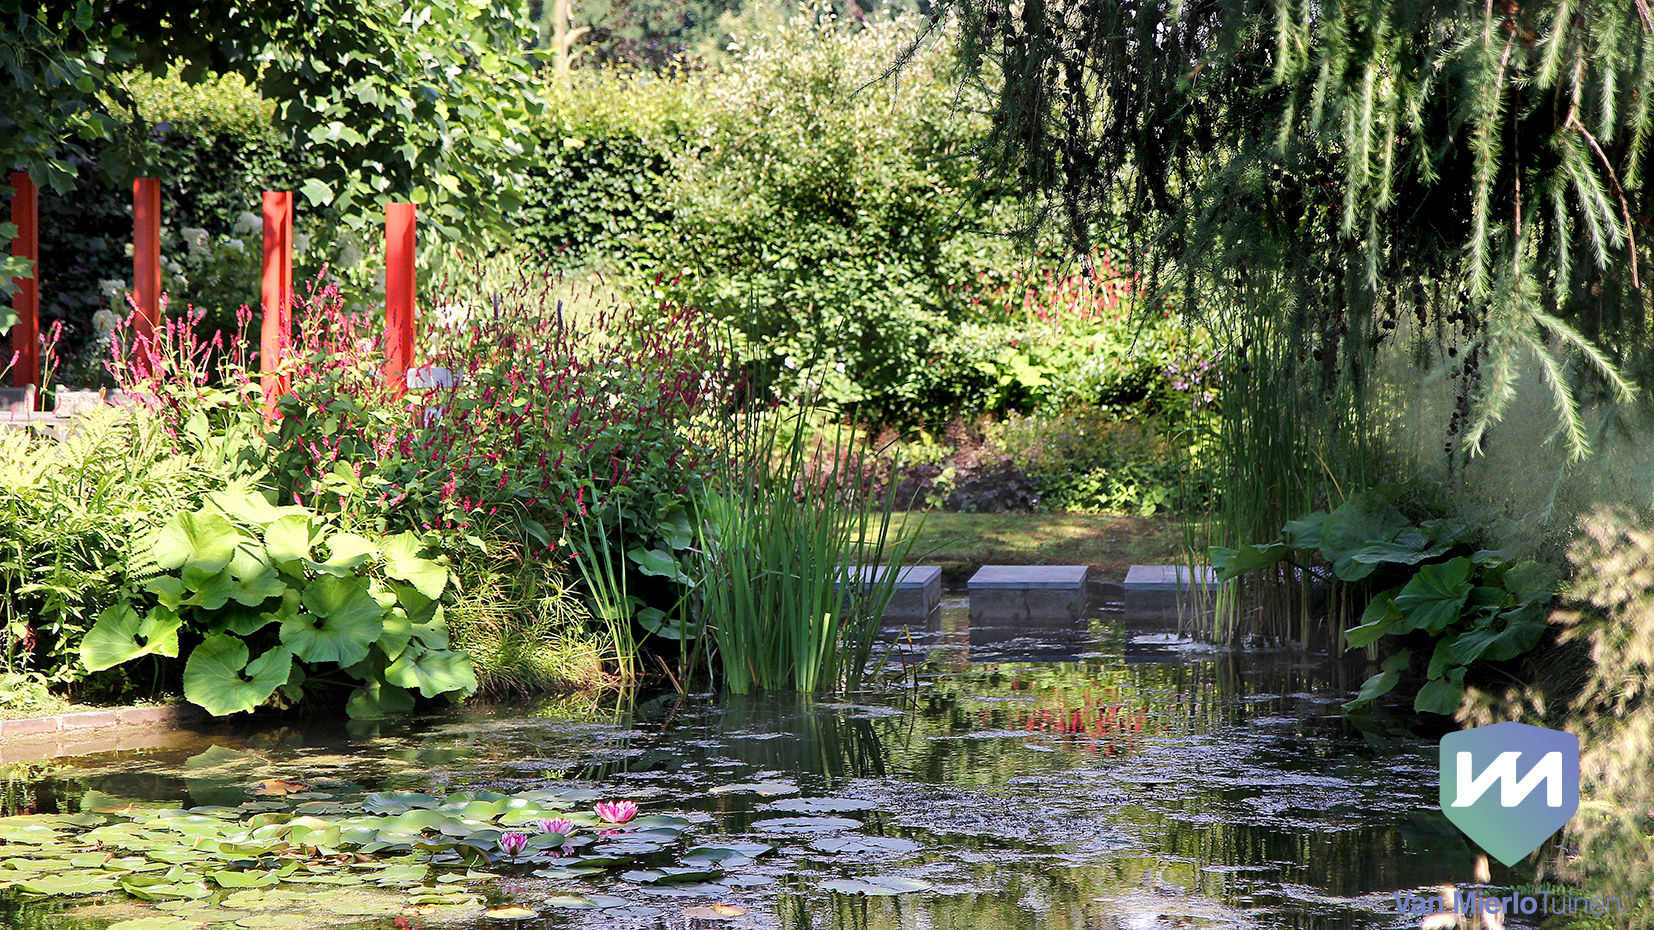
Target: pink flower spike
point(513, 843)
point(616, 811)
point(561, 825)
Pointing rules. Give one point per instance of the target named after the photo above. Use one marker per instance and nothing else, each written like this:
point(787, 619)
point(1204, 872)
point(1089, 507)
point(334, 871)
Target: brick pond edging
point(33, 738)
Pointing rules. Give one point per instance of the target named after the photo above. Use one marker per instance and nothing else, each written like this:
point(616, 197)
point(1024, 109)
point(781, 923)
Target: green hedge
point(218, 152)
point(828, 214)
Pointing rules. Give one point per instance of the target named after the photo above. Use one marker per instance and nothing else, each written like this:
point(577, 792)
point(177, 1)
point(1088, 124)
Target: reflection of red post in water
point(25, 213)
point(146, 258)
point(399, 295)
point(276, 326)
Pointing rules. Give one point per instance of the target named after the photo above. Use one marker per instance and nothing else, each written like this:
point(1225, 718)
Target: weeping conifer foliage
point(1339, 188)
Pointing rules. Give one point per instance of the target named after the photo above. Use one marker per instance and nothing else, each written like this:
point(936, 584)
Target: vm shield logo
point(1509, 786)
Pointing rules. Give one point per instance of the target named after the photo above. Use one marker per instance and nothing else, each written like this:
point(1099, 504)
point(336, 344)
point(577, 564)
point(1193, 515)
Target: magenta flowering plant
point(616, 811)
point(560, 825)
point(513, 843)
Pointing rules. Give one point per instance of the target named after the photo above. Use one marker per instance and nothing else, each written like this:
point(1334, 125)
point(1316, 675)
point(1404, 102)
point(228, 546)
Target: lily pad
point(856, 844)
point(820, 805)
point(154, 923)
point(880, 886)
point(766, 789)
point(805, 825)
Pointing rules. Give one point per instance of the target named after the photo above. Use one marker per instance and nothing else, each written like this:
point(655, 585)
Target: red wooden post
point(146, 256)
point(276, 325)
point(399, 295)
point(25, 212)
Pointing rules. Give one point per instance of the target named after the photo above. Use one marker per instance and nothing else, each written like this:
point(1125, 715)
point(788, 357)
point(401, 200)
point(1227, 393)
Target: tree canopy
point(1353, 171)
point(387, 101)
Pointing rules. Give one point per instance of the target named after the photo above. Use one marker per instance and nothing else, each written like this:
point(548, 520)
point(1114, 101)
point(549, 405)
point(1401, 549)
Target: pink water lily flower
point(616, 811)
point(513, 843)
point(561, 825)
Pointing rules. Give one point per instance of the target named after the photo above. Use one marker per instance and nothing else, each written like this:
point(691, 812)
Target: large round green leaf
point(377, 699)
point(120, 635)
point(203, 541)
point(342, 621)
point(219, 678)
point(432, 671)
point(288, 540)
point(403, 562)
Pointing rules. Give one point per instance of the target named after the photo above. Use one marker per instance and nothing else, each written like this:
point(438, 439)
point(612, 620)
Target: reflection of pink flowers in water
point(609, 832)
point(560, 853)
point(616, 811)
point(561, 825)
point(513, 843)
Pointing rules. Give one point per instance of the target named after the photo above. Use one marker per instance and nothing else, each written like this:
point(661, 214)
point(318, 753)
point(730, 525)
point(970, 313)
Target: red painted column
point(276, 325)
point(399, 295)
point(25, 212)
point(146, 256)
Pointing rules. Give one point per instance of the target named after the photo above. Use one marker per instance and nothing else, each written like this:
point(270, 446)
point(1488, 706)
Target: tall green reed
point(1302, 424)
point(798, 558)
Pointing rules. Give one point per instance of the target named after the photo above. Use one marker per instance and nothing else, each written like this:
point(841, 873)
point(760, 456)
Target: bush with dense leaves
point(270, 599)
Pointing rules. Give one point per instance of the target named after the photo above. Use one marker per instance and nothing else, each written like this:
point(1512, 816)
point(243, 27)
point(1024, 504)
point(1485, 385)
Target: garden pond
point(1107, 774)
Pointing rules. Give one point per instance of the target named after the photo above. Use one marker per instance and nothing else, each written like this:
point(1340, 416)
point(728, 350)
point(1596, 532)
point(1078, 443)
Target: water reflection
point(1089, 775)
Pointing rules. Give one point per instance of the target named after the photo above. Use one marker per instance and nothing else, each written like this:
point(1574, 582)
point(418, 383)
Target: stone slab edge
point(168, 716)
point(1029, 578)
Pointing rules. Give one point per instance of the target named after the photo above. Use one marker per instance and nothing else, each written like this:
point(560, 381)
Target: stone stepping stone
point(1009, 594)
point(1160, 591)
point(918, 590)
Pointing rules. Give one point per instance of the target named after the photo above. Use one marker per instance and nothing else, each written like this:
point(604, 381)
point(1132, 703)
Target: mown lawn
point(960, 542)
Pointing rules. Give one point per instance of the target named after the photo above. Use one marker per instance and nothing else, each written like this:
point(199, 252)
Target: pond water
point(1097, 775)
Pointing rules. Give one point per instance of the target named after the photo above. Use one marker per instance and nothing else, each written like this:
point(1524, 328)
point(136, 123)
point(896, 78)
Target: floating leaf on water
point(511, 913)
point(225, 878)
point(884, 885)
point(670, 876)
point(276, 787)
point(866, 845)
point(733, 855)
point(395, 802)
point(580, 902)
point(805, 825)
point(746, 881)
point(275, 922)
point(154, 923)
point(68, 884)
point(768, 789)
point(714, 912)
point(820, 805)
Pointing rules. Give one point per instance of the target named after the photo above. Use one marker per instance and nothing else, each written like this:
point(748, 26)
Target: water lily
point(513, 843)
point(616, 811)
point(561, 825)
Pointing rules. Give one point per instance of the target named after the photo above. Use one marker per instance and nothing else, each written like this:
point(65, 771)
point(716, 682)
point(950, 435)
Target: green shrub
point(69, 512)
point(1084, 461)
point(823, 213)
point(1448, 609)
point(277, 599)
